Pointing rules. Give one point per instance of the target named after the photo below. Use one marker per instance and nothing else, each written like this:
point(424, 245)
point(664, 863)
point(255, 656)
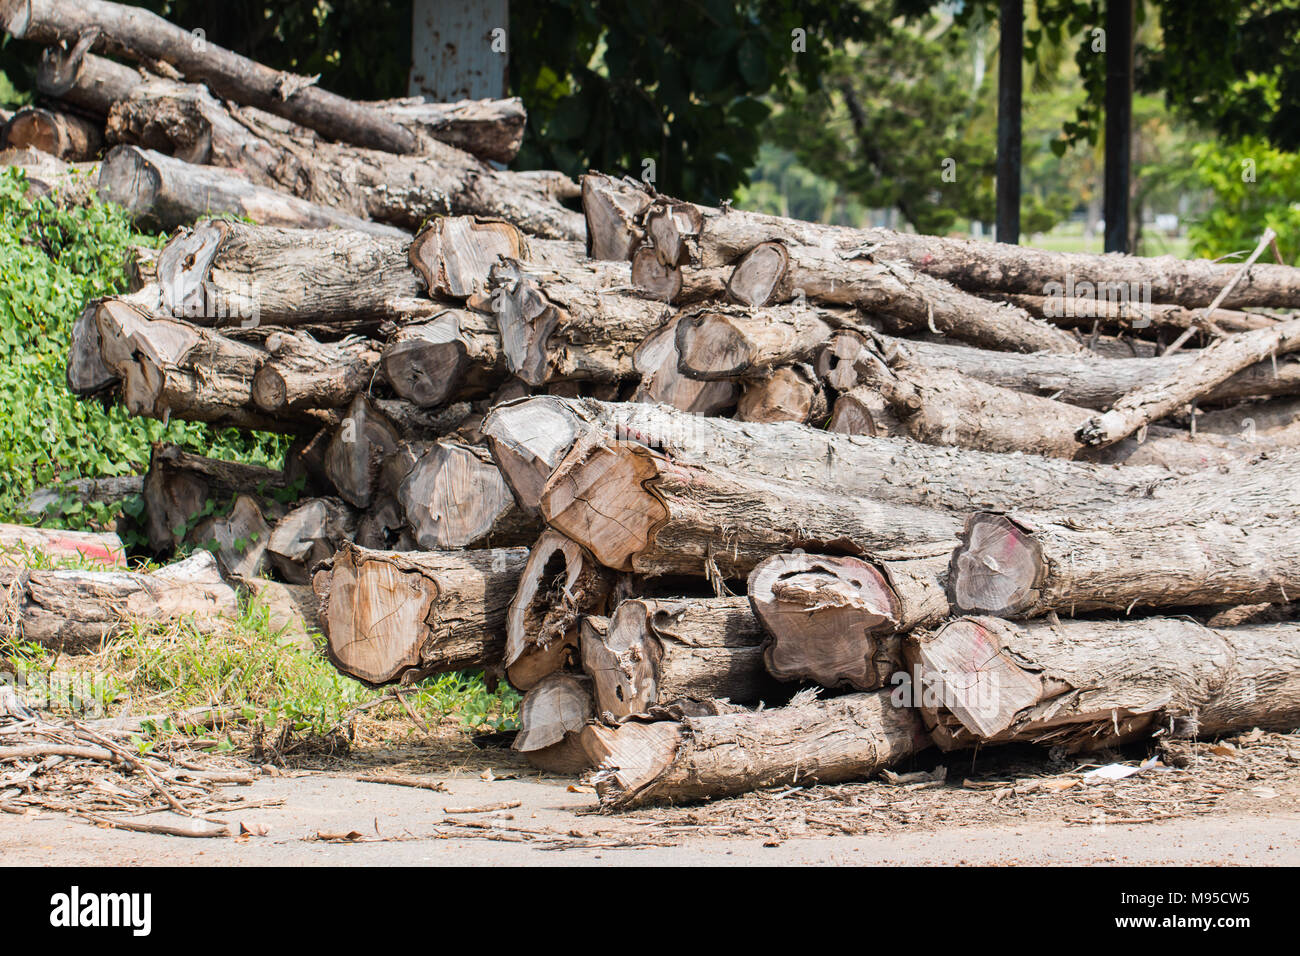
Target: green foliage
point(1254, 189)
point(52, 261)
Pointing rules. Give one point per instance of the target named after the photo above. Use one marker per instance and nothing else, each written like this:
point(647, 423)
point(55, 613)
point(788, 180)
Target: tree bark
point(489, 129)
point(559, 585)
point(1073, 684)
point(62, 135)
point(74, 612)
point(652, 653)
point(308, 535)
point(393, 616)
point(140, 35)
point(19, 542)
point(636, 510)
point(88, 82)
point(835, 620)
point(163, 193)
point(701, 758)
point(457, 353)
point(1026, 564)
point(530, 437)
point(1210, 367)
point(1137, 317)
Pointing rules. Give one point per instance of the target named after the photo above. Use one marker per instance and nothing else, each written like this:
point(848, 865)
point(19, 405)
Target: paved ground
point(402, 825)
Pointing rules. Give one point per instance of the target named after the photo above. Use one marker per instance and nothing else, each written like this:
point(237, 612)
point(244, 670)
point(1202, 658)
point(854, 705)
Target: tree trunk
point(1073, 684)
point(300, 373)
point(790, 393)
point(529, 438)
point(489, 129)
point(570, 324)
point(393, 616)
point(455, 354)
point(702, 758)
point(559, 585)
point(111, 490)
point(1138, 317)
point(454, 497)
point(834, 619)
point(18, 542)
point(651, 653)
point(140, 35)
point(74, 612)
point(560, 704)
point(63, 135)
point(88, 82)
point(162, 193)
point(636, 510)
point(1025, 564)
point(308, 535)
point(226, 272)
point(1210, 367)
point(67, 184)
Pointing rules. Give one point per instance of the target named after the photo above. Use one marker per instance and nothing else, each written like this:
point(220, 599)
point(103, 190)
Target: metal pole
point(1119, 122)
point(1010, 46)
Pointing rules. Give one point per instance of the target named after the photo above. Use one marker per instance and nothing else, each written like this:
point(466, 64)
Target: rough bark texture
point(67, 184)
point(18, 543)
point(529, 438)
point(1138, 317)
point(651, 653)
point(821, 741)
point(88, 82)
point(74, 612)
point(402, 616)
point(636, 510)
point(560, 583)
point(302, 373)
point(834, 619)
point(1084, 685)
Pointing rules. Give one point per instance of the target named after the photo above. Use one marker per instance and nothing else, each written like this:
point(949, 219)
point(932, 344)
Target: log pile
point(736, 501)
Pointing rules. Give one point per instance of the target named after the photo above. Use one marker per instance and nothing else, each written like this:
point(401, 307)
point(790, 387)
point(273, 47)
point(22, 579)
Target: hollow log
point(308, 535)
point(63, 135)
point(835, 619)
point(140, 35)
point(75, 612)
point(454, 497)
point(1024, 564)
point(1073, 684)
point(651, 653)
point(163, 193)
point(559, 585)
point(558, 705)
point(807, 742)
point(1209, 368)
point(19, 543)
point(529, 438)
point(636, 510)
point(570, 324)
point(456, 353)
point(401, 616)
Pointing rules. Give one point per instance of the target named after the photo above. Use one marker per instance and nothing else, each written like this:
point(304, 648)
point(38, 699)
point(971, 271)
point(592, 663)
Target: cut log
point(19, 544)
point(655, 652)
point(454, 497)
point(181, 489)
point(1025, 564)
point(490, 129)
point(558, 705)
point(790, 393)
point(566, 324)
point(75, 612)
point(718, 342)
point(1135, 316)
point(383, 527)
point(1074, 684)
point(108, 490)
point(455, 255)
point(1210, 367)
point(88, 82)
point(364, 439)
point(458, 353)
point(834, 619)
point(66, 184)
point(1087, 381)
point(808, 742)
point(162, 193)
point(238, 536)
point(636, 510)
point(225, 272)
point(529, 438)
point(140, 35)
point(613, 209)
point(658, 363)
point(560, 584)
point(402, 616)
point(301, 373)
point(63, 135)
point(864, 411)
point(308, 535)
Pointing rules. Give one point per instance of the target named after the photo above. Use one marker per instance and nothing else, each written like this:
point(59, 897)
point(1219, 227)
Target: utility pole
point(1010, 72)
point(1119, 122)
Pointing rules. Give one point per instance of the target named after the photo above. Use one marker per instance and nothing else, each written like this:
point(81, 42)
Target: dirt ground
point(1234, 802)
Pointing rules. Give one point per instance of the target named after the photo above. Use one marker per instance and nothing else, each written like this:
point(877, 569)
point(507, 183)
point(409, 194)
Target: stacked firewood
point(736, 501)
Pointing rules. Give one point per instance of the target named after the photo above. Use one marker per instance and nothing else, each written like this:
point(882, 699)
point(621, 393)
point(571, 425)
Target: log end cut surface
point(997, 568)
